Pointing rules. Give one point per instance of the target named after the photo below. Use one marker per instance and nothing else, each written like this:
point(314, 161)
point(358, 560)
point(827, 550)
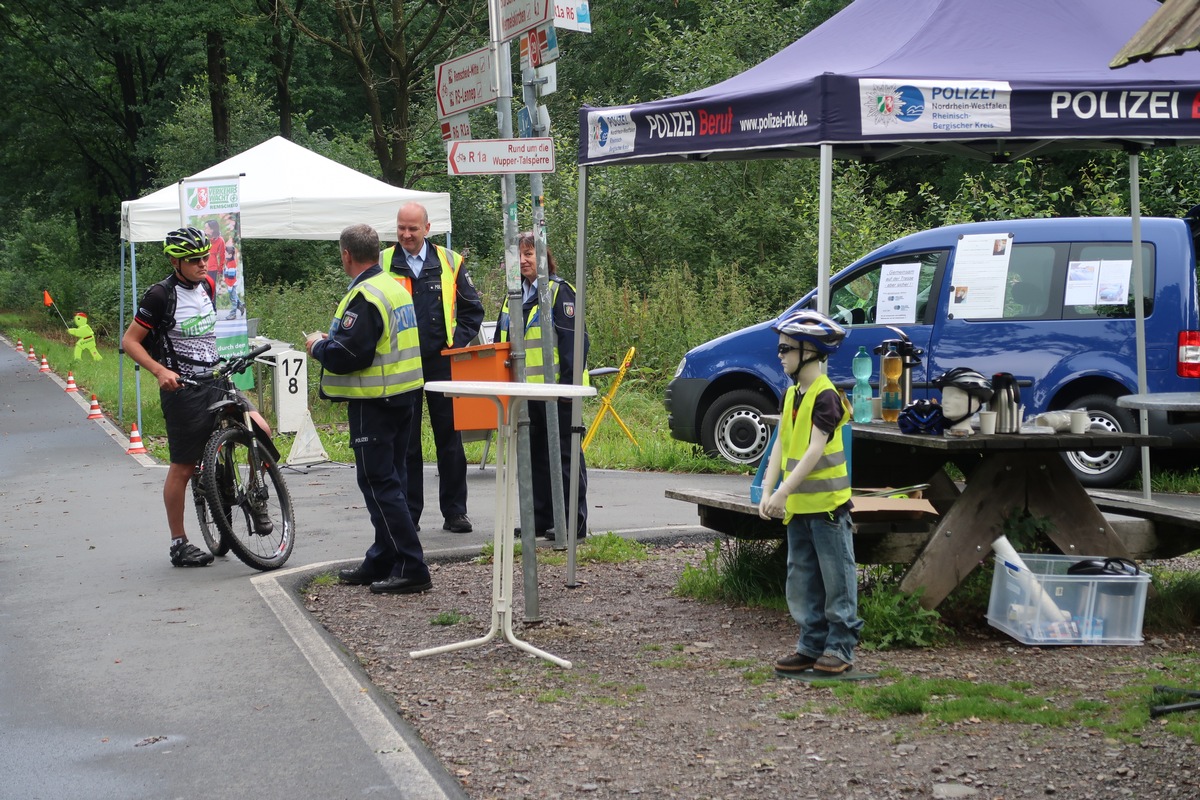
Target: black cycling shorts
point(189, 422)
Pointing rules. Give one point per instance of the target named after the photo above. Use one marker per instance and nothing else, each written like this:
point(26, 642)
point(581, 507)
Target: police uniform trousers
point(543, 500)
point(379, 434)
point(451, 460)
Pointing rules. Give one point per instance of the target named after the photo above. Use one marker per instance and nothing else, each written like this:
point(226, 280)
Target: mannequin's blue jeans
point(822, 585)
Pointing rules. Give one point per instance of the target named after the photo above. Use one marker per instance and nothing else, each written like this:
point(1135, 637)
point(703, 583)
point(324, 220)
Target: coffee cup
point(987, 422)
point(1080, 421)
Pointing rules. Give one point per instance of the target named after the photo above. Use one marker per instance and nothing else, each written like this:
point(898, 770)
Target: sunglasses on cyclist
point(784, 349)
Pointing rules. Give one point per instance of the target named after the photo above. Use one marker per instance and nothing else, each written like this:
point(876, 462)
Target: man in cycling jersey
point(177, 320)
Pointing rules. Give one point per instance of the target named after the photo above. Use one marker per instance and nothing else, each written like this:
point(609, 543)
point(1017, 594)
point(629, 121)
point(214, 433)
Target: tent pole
point(580, 333)
point(1139, 310)
point(824, 228)
point(120, 351)
point(137, 370)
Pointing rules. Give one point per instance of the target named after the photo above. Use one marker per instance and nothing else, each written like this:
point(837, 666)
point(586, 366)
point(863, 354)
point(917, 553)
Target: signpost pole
point(502, 64)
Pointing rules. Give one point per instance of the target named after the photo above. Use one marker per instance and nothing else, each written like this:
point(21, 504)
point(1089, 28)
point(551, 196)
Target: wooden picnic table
point(1002, 472)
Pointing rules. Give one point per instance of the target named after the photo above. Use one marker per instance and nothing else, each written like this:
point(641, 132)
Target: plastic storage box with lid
point(1043, 604)
point(481, 362)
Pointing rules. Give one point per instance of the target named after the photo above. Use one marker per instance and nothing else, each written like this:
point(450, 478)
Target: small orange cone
point(94, 411)
point(45, 367)
point(71, 387)
point(135, 442)
point(32, 357)
point(20, 347)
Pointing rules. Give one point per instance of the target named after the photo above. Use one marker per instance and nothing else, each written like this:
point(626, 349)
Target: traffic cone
point(135, 442)
point(32, 357)
point(45, 367)
point(20, 347)
point(71, 387)
point(94, 411)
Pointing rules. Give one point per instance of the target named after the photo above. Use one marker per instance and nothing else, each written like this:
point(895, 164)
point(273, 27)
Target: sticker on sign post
point(456, 127)
point(500, 156)
point(573, 15)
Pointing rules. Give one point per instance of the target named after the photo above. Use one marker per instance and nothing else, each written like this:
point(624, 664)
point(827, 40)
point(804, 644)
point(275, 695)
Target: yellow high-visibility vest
point(396, 367)
point(449, 273)
point(827, 486)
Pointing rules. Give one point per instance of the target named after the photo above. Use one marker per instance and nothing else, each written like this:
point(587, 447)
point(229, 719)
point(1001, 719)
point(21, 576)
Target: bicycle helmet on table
point(813, 327)
point(186, 243)
point(967, 380)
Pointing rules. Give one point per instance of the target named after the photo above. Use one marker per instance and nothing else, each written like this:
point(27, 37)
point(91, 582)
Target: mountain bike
point(241, 499)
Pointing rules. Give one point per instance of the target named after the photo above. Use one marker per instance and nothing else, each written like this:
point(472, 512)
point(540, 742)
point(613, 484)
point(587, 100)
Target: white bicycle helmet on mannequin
point(813, 327)
point(966, 380)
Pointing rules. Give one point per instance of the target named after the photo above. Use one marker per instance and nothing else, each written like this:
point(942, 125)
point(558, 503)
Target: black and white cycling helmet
point(813, 327)
point(967, 380)
point(186, 243)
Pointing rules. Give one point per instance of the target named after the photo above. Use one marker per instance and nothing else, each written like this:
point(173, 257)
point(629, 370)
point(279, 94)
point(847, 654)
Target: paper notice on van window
point(1082, 280)
point(1112, 288)
point(980, 273)
point(897, 298)
point(1098, 283)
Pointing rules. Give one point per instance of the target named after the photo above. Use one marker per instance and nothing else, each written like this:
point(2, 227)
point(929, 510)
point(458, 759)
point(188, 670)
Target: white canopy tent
point(286, 192)
point(289, 192)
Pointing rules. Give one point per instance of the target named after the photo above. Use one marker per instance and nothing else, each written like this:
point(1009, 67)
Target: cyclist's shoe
point(186, 554)
point(262, 521)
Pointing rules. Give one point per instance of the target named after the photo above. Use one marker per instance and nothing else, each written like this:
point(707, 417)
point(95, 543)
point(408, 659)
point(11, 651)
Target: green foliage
point(893, 619)
point(740, 572)
point(1175, 607)
point(448, 618)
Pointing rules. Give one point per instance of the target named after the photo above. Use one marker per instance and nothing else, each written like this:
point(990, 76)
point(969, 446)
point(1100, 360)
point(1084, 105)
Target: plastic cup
point(876, 408)
point(1080, 421)
point(987, 422)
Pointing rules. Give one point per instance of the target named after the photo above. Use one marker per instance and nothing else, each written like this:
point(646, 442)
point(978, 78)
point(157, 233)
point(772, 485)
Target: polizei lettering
point(673, 124)
point(1116, 105)
point(963, 93)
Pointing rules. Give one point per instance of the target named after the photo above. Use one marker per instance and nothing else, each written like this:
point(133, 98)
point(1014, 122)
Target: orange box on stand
point(481, 362)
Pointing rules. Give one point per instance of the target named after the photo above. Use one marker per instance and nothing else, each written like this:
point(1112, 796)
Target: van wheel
point(1104, 469)
point(733, 428)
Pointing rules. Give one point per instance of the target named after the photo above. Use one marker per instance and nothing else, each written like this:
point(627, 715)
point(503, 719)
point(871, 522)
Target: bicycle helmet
point(967, 380)
point(186, 243)
point(813, 327)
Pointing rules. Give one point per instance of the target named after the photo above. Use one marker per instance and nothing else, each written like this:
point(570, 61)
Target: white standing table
point(506, 485)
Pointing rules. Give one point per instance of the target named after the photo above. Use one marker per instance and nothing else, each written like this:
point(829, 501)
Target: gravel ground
point(668, 697)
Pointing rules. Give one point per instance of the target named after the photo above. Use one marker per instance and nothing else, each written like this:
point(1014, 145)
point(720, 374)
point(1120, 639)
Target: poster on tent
point(214, 206)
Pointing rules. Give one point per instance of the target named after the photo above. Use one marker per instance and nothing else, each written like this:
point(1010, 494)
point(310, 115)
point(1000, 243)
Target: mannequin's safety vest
point(827, 486)
point(396, 367)
point(449, 274)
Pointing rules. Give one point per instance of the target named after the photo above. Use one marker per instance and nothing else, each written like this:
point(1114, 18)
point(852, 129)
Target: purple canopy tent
point(882, 79)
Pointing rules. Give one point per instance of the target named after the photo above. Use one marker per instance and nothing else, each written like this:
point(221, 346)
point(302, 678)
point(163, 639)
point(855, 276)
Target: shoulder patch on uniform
point(348, 320)
point(569, 309)
point(470, 282)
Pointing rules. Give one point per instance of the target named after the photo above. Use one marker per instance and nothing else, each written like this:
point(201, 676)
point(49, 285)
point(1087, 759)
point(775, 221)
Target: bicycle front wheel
point(259, 528)
point(217, 545)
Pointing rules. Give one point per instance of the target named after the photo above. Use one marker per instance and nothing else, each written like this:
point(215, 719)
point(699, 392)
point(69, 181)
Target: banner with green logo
point(214, 206)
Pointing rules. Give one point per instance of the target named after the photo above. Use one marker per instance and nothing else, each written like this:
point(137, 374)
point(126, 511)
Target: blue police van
point(1048, 300)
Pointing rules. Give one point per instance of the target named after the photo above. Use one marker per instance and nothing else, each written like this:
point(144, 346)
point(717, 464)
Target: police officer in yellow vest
point(449, 314)
point(814, 500)
point(371, 360)
point(562, 303)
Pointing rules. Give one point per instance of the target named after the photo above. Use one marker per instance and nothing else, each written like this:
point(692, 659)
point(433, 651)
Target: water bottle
point(891, 366)
point(861, 367)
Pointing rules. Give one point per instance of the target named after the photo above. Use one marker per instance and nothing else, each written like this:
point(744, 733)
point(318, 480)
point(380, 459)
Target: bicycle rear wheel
point(208, 527)
point(259, 528)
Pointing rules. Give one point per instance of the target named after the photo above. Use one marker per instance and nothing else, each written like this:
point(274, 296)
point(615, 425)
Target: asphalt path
point(123, 677)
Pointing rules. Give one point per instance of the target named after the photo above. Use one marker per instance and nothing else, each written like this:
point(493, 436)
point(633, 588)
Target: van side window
point(1027, 294)
point(1093, 252)
point(854, 299)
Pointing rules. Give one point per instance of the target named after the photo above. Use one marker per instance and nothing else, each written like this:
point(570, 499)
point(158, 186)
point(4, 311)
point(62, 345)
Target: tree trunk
point(218, 91)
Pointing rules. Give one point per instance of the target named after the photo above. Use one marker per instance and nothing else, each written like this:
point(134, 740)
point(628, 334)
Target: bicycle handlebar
point(237, 364)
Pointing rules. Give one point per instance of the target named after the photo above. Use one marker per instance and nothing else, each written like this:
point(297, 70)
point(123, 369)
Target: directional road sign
point(465, 82)
point(500, 156)
point(519, 16)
